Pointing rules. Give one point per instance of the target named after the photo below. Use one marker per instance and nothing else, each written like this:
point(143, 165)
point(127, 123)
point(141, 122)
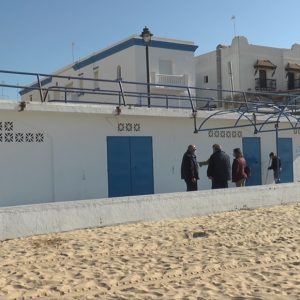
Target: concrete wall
point(36, 219)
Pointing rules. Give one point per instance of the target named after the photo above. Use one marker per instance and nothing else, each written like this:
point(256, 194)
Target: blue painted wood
point(285, 153)
point(129, 166)
point(141, 165)
point(252, 154)
point(118, 166)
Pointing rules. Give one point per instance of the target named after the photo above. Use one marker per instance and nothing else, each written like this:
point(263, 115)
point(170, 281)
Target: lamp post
point(146, 36)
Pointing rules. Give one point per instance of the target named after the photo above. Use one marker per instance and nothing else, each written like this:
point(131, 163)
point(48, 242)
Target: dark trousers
point(276, 176)
point(191, 186)
point(219, 184)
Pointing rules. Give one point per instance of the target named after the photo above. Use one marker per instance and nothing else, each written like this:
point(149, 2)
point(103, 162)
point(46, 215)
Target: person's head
point(237, 152)
point(192, 148)
point(216, 147)
point(271, 155)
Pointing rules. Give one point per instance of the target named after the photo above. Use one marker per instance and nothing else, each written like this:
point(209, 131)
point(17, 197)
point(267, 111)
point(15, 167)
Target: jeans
point(219, 184)
point(276, 176)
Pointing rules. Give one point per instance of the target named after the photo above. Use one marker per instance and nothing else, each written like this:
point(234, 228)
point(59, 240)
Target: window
point(68, 89)
point(56, 94)
point(165, 67)
point(263, 78)
point(80, 84)
point(96, 77)
point(205, 79)
point(291, 80)
point(119, 73)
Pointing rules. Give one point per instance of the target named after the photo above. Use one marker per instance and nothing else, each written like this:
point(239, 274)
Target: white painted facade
point(58, 152)
point(242, 57)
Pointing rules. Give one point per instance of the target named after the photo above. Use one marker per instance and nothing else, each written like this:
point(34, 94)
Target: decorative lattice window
point(19, 137)
point(29, 137)
point(8, 126)
point(9, 137)
point(39, 137)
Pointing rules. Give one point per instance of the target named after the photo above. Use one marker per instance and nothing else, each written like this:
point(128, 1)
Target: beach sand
point(246, 254)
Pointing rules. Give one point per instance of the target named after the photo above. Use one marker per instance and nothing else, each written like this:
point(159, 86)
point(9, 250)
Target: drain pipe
point(219, 74)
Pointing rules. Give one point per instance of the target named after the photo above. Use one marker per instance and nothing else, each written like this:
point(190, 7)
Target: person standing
point(275, 166)
point(239, 165)
point(189, 169)
point(219, 169)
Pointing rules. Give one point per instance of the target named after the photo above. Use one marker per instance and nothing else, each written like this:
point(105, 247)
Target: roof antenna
point(73, 46)
point(233, 22)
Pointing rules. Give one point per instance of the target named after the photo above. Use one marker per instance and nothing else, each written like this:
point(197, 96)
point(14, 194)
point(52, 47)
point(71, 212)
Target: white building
point(171, 63)
point(249, 68)
point(56, 151)
point(59, 152)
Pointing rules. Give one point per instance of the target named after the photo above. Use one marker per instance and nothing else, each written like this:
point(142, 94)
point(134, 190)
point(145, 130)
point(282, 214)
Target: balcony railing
point(157, 78)
point(293, 84)
point(262, 84)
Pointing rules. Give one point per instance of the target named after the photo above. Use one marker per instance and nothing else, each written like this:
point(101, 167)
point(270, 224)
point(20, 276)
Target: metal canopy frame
point(290, 111)
point(259, 109)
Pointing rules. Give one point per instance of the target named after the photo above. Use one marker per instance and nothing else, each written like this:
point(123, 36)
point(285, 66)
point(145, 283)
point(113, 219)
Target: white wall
point(37, 219)
point(71, 162)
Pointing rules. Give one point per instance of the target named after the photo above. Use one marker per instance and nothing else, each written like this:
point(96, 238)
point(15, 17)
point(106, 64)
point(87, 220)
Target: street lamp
point(146, 36)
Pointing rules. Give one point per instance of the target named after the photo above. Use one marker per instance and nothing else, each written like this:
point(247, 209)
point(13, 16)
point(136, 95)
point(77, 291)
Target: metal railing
point(294, 84)
point(263, 84)
point(157, 78)
point(121, 92)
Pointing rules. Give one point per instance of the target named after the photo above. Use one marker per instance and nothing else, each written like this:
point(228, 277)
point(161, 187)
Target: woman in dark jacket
point(239, 164)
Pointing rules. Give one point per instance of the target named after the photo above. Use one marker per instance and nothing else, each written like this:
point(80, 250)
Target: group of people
point(219, 169)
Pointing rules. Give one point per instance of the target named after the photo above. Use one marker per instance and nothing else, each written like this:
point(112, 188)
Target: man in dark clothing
point(275, 166)
point(219, 168)
point(189, 169)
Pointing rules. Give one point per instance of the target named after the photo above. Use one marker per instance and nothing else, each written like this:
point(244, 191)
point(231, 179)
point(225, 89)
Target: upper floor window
point(119, 73)
point(205, 79)
point(96, 77)
point(80, 84)
point(165, 67)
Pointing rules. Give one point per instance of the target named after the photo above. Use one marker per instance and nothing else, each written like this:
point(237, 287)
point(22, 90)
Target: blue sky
point(37, 35)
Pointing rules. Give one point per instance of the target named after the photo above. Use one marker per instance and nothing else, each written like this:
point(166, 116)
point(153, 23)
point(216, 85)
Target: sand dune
point(248, 254)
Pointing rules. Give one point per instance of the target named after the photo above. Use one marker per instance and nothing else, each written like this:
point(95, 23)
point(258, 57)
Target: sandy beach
point(247, 254)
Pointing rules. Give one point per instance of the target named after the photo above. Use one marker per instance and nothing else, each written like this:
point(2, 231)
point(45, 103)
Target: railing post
point(190, 98)
point(40, 87)
point(122, 93)
point(65, 95)
point(167, 101)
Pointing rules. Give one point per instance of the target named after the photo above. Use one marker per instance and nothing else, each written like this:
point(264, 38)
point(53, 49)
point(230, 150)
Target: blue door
point(129, 166)
point(141, 165)
point(285, 153)
point(252, 154)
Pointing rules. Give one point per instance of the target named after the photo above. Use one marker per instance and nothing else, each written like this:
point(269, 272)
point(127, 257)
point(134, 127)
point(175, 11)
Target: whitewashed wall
point(70, 162)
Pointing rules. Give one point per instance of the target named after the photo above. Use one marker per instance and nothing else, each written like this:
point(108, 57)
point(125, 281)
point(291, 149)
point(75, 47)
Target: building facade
point(171, 63)
point(248, 68)
point(92, 147)
point(61, 152)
